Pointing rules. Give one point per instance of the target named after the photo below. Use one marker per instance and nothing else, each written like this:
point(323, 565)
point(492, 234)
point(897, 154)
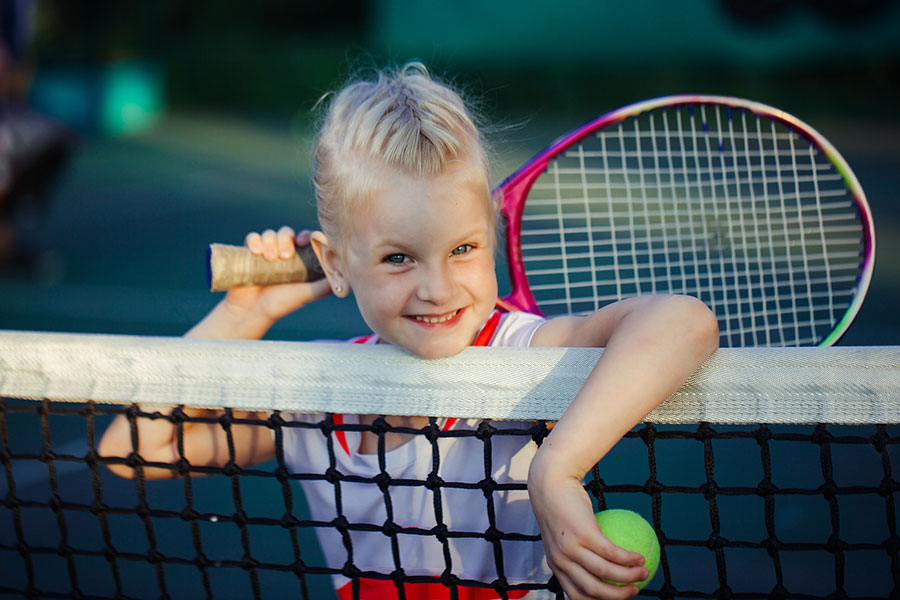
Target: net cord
point(842, 385)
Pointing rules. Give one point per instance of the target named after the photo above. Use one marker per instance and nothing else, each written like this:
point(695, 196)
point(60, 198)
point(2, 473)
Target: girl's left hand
point(577, 551)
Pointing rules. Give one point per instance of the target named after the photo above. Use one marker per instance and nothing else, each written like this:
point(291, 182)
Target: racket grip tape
point(234, 266)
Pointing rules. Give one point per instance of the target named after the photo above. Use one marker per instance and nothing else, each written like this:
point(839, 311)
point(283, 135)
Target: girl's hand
point(273, 302)
point(577, 551)
point(248, 312)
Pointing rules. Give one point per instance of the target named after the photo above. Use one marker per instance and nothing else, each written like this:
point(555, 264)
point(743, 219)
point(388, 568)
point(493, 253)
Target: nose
point(437, 285)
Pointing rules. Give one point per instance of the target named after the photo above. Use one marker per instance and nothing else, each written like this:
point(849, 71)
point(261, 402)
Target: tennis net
point(768, 475)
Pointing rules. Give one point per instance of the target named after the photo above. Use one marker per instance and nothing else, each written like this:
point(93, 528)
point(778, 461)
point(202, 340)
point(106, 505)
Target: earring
point(338, 289)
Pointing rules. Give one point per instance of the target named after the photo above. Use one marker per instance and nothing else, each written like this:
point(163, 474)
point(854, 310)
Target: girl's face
point(419, 259)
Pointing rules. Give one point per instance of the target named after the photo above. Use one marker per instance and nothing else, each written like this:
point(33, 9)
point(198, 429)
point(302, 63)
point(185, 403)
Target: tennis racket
point(735, 202)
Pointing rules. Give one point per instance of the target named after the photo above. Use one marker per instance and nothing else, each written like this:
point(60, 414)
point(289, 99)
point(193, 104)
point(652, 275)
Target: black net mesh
point(741, 512)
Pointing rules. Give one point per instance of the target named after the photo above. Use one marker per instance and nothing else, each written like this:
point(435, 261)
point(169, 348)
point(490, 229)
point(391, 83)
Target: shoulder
point(516, 329)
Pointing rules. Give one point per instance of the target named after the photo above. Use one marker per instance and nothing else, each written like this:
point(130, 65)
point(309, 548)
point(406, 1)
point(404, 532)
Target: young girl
point(408, 225)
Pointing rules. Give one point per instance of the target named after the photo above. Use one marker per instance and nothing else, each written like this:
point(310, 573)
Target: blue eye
point(461, 249)
point(396, 259)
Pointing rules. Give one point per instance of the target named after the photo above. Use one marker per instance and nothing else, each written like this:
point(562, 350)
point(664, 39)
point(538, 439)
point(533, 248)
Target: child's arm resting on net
point(652, 344)
point(244, 313)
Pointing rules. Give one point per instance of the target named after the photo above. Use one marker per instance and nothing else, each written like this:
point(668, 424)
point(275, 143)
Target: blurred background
point(144, 130)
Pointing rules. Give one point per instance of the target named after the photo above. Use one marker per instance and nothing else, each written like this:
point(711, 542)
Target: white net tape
point(847, 385)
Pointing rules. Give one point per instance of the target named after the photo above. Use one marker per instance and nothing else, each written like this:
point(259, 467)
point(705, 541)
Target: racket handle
point(234, 266)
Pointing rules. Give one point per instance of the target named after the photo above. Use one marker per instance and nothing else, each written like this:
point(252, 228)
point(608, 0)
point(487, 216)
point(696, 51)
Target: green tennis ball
point(631, 531)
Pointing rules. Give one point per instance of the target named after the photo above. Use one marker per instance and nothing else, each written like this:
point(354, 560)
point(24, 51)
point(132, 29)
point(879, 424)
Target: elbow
point(697, 323)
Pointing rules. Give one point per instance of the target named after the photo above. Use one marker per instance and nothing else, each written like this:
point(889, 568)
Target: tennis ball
point(631, 531)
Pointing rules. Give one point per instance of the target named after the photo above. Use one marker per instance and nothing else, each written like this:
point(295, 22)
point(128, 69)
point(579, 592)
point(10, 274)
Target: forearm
point(650, 350)
point(227, 321)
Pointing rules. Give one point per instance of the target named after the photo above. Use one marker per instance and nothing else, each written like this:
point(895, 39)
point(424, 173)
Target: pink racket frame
point(514, 190)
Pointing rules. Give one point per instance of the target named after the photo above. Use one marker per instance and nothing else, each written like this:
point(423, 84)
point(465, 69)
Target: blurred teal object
point(116, 99)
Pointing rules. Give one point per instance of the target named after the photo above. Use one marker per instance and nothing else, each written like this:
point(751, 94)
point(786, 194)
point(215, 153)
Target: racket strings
point(732, 207)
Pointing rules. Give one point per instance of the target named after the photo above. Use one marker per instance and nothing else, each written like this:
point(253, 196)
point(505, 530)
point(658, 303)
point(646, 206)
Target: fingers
point(586, 573)
point(272, 244)
point(582, 586)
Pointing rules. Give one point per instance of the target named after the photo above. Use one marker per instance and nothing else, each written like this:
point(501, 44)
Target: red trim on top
point(482, 339)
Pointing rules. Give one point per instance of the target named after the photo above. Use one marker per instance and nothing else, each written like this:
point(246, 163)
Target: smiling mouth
point(436, 319)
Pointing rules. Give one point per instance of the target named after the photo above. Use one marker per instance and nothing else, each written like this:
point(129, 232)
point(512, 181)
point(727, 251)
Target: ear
point(331, 263)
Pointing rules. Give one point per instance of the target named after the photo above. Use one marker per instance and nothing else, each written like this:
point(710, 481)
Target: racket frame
point(513, 192)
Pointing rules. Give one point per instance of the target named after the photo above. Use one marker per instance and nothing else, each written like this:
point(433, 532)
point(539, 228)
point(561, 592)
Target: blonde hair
point(403, 120)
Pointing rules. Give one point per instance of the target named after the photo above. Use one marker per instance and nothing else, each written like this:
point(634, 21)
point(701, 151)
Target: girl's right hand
point(272, 302)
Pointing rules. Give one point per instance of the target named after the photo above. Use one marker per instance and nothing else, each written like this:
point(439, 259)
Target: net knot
point(65, 550)
point(433, 481)
point(487, 487)
point(779, 592)
point(351, 571)
point(485, 430)
point(380, 426)
point(134, 460)
point(398, 576)
point(709, 490)
point(275, 420)
point(155, 557)
point(653, 487)
point(773, 545)
point(226, 419)
point(47, 455)
point(820, 435)
point(201, 562)
point(383, 481)
point(724, 593)
point(704, 432)
point(648, 434)
point(715, 542)
point(762, 435)
point(189, 514)
point(595, 486)
point(55, 503)
point(332, 475)
point(178, 416)
point(880, 439)
point(835, 544)
point(829, 489)
point(143, 511)
point(240, 518)
point(492, 534)
point(299, 567)
point(501, 585)
point(341, 524)
point(449, 580)
point(289, 521)
point(440, 533)
point(892, 545)
point(281, 474)
point(182, 466)
point(231, 469)
point(390, 529)
point(887, 487)
point(91, 458)
point(248, 563)
point(766, 488)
